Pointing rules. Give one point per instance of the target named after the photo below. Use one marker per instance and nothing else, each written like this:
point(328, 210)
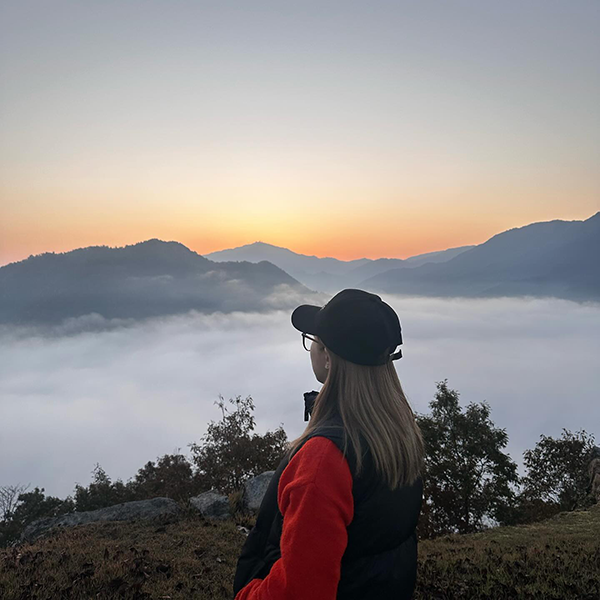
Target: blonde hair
point(371, 402)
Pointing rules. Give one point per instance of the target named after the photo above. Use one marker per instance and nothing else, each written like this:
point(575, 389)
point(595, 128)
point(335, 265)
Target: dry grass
point(555, 559)
point(194, 558)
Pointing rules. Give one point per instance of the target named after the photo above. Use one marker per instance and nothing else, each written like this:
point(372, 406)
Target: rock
point(126, 511)
point(211, 504)
point(254, 490)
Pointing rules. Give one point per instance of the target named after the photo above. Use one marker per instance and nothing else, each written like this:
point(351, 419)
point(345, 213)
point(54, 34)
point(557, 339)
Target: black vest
point(380, 561)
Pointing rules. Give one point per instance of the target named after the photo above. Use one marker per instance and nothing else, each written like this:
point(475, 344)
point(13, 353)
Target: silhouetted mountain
point(152, 278)
point(147, 279)
point(436, 257)
point(382, 265)
point(327, 274)
point(554, 258)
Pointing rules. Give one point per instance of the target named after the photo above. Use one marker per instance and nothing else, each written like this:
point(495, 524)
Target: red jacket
point(315, 499)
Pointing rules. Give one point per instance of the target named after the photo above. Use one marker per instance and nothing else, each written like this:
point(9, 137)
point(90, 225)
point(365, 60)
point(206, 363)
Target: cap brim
point(304, 318)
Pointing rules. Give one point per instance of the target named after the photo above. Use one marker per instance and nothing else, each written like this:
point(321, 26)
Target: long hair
point(371, 402)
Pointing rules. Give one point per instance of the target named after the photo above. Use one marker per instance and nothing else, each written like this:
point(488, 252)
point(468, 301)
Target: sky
point(128, 395)
point(332, 128)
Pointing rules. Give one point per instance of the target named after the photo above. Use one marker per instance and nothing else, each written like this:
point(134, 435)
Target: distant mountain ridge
point(554, 258)
point(327, 274)
point(147, 279)
point(154, 278)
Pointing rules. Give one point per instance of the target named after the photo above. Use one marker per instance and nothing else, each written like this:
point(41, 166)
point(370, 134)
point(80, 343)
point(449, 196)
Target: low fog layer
point(130, 393)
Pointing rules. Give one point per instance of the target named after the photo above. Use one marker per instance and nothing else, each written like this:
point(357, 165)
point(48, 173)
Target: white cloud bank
point(129, 394)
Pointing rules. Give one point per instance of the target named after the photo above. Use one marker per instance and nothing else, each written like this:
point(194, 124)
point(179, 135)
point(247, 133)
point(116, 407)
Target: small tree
point(101, 492)
point(172, 476)
point(30, 507)
point(36, 505)
point(229, 454)
point(557, 476)
point(9, 497)
point(467, 477)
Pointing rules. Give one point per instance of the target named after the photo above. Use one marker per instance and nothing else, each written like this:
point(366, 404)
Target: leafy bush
point(172, 476)
point(229, 454)
point(30, 507)
point(557, 476)
point(466, 477)
point(101, 492)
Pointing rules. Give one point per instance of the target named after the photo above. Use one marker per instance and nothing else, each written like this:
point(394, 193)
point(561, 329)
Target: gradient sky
point(346, 129)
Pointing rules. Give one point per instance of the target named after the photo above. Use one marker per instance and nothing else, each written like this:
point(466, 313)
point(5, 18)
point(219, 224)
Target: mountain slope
point(142, 280)
point(327, 274)
point(555, 258)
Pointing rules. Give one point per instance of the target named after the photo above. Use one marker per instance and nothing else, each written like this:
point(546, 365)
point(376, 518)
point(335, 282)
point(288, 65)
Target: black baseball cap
point(355, 324)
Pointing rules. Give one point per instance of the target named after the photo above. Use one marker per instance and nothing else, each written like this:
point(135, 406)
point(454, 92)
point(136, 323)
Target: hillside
point(545, 259)
point(553, 258)
point(190, 557)
point(149, 279)
point(327, 274)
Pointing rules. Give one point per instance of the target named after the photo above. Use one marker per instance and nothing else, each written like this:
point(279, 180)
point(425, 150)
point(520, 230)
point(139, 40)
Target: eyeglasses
point(304, 336)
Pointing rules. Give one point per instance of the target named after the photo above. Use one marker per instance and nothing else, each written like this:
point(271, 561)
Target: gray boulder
point(212, 505)
point(254, 490)
point(126, 511)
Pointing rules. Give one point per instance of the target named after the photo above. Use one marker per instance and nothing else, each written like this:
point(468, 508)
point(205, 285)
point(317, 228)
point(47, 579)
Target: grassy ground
point(194, 558)
point(554, 559)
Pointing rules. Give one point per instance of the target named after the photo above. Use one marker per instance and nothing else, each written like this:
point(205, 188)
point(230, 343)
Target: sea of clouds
point(122, 393)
